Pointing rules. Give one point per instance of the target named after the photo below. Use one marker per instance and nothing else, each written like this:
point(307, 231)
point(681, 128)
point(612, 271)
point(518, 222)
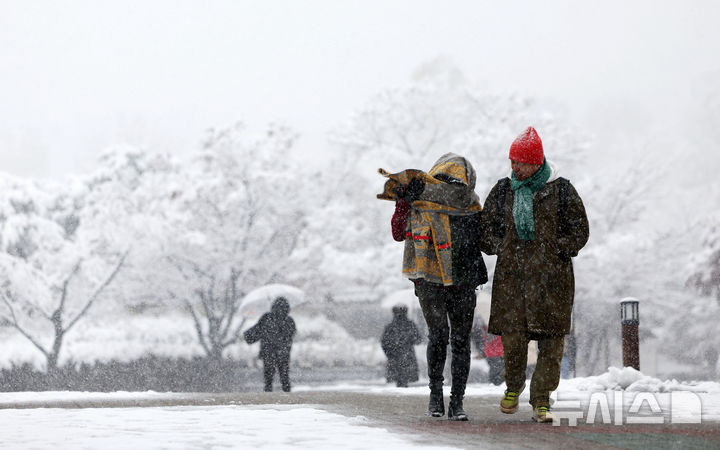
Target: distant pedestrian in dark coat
point(495, 359)
point(398, 342)
point(490, 348)
point(275, 331)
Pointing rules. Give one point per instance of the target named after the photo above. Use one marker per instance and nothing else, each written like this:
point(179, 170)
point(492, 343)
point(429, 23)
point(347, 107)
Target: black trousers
point(448, 312)
point(283, 368)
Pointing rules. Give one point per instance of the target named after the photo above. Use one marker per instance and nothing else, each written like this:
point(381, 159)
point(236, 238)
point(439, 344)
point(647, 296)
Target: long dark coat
point(534, 284)
point(398, 342)
point(275, 331)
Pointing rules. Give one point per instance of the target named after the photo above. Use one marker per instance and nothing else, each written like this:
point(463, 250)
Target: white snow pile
point(631, 380)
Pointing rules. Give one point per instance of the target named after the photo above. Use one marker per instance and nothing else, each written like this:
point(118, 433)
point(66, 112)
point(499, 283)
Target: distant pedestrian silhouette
point(398, 342)
point(275, 331)
point(490, 348)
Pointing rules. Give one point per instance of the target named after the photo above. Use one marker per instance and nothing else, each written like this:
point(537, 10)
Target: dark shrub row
point(149, 373)
point(158, 374)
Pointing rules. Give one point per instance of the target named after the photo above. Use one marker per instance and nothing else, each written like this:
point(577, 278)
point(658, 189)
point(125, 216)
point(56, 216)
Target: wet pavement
point(404, 414)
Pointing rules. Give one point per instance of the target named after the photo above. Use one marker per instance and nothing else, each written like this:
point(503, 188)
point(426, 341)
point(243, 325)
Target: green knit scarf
point(523, 203)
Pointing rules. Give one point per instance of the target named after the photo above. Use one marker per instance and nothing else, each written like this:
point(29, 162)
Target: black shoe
point(436, 407)
point(456, 411)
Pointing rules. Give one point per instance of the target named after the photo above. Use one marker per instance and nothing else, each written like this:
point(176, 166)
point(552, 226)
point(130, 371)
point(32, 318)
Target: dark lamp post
point(629, 311)
point(630, 319)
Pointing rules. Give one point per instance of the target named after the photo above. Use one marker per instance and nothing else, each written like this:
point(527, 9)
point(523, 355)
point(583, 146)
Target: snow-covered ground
point(285, 426)
point(192, 427)
point(679, 402)
point(183, 427)
point(677, 406)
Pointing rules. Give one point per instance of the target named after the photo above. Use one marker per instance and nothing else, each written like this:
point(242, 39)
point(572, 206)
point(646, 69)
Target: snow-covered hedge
point(319, 342)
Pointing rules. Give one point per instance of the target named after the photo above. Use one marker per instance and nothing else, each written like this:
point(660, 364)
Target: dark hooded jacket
point(274, 330)
point(398, 342)
point(534, 284)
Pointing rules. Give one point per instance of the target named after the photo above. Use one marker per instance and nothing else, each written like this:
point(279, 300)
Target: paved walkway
point(404, 414)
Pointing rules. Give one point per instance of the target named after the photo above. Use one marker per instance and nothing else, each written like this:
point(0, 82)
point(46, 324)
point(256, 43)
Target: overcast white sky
point(78, 76)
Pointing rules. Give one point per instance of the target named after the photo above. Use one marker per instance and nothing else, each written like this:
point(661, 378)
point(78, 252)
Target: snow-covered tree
point(705, 266)
point(53, 267)
point(133, 196)
point(690, 322)
point(619, 261)
point(238, 219)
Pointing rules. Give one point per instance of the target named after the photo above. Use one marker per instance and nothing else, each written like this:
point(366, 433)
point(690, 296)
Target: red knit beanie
point(527, 148)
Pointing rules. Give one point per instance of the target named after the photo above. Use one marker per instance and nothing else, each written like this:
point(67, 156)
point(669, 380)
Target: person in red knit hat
point(527, 148)
point(535, 222)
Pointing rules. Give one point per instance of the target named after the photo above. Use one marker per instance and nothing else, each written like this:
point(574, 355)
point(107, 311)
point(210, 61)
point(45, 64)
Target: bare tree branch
point(63, 295)
point(198, 327)
point(98, 291)
point(233, 302)
point(14, 322)
point(204, 303)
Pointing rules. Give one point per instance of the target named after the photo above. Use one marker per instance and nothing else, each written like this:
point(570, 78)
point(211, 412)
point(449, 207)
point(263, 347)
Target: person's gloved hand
point(412, 191)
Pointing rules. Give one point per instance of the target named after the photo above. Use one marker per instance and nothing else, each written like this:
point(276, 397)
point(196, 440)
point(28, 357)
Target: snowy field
point(184, 427)
point(277, 426)
point(192, 427)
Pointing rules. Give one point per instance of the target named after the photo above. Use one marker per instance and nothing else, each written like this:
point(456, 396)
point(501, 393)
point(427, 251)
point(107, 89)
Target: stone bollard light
point(630, 319)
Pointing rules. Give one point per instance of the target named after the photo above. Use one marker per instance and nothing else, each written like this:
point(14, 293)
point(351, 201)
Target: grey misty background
point(162, 160)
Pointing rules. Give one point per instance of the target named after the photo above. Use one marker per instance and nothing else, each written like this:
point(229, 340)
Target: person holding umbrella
point(275, 331)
